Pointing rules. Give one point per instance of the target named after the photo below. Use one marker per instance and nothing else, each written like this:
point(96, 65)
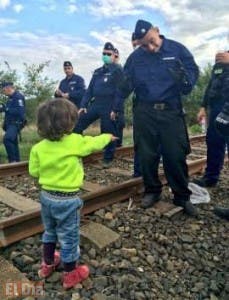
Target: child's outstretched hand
point(114, 138)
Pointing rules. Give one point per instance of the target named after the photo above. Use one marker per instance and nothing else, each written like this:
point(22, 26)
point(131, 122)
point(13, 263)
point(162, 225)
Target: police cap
point(108, 46)
point(133, 37)
point(67, 64)
point(6, 83)
point(141, 29)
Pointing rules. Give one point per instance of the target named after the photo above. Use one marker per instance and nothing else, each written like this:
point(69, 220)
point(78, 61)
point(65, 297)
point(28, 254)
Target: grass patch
point(30, 137)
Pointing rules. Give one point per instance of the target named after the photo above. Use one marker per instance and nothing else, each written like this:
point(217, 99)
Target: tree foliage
point(192, 102)
point(34, 85)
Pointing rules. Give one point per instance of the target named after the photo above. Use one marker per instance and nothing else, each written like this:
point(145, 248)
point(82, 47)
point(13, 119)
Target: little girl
point(56, 162)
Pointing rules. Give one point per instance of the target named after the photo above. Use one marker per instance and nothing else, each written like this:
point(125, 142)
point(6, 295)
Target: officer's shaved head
point(151, 41)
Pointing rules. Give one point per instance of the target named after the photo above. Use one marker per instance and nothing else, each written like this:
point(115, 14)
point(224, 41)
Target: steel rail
point(20, 168)
point(27, 224)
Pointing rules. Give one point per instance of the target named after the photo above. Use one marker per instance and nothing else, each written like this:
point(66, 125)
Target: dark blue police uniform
point(13, 123)
point(74, 86)
point(100, 99)
point(216, 95)
point(120, 124)
point(158, 80)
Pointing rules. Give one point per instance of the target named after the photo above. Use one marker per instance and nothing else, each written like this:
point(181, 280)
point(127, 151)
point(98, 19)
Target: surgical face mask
point(107, 59)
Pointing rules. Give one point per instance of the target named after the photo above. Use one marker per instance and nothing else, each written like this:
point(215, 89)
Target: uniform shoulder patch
point(20, 102)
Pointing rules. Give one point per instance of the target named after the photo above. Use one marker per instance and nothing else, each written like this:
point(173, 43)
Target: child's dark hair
point(55, 118)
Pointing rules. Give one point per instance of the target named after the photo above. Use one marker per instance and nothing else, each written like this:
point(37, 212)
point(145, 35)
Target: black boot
point(150, 199)
point(205, 182)
point(222, 212)
point(189, 208)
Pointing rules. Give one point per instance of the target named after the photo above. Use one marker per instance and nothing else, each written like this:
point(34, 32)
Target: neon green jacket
point(58, 164)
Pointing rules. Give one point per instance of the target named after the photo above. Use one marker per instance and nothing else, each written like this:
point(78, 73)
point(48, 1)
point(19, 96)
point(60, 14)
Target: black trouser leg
point(147, 141)
point(163, 129)
point(175, 147)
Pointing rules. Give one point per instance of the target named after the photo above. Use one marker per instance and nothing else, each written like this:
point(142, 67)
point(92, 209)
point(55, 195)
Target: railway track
point(174, 253)
point(22, 167)
point(29, 223)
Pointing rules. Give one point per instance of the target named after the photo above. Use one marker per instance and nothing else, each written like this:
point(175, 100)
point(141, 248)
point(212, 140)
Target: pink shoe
point(70, 279)
point(46, 270)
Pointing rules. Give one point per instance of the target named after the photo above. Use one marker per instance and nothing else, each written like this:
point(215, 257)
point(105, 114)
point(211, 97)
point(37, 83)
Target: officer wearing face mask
point(101, 102)
point(159, 71)
point(134, 41)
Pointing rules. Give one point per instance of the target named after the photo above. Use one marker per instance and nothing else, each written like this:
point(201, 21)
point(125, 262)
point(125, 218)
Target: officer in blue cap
point(134, 41)
point(14, 120)
point(72, 87)
point(160, 71)
point(216, 95)
point(101, 102)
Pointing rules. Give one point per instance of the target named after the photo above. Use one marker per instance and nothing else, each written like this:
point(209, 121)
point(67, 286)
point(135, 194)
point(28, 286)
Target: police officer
point(134, 41)
point(72, 87)
point(14, 120)
point(100, 101)
point(222, 126)
point(215, 97)
point(159, 72)
point(120, 116)
point(137, 167)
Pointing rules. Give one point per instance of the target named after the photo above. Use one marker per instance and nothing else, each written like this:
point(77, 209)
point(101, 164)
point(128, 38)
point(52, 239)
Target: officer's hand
point(2, 107)
point(222, 121)
point(58, 92)
point(201, 114)
point(65, 95)
point(113, 116)
point(114, 138)
point(82, 111)
point(178, 72)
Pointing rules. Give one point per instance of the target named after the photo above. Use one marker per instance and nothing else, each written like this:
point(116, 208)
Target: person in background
point(120, 116)
point(14, 121)
point(222, 126)
point(101, 101)
point(137, 169)
point(72, 87)
point(216, 95)
point(159, 72)
point(56, 161)
point(134, 41)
